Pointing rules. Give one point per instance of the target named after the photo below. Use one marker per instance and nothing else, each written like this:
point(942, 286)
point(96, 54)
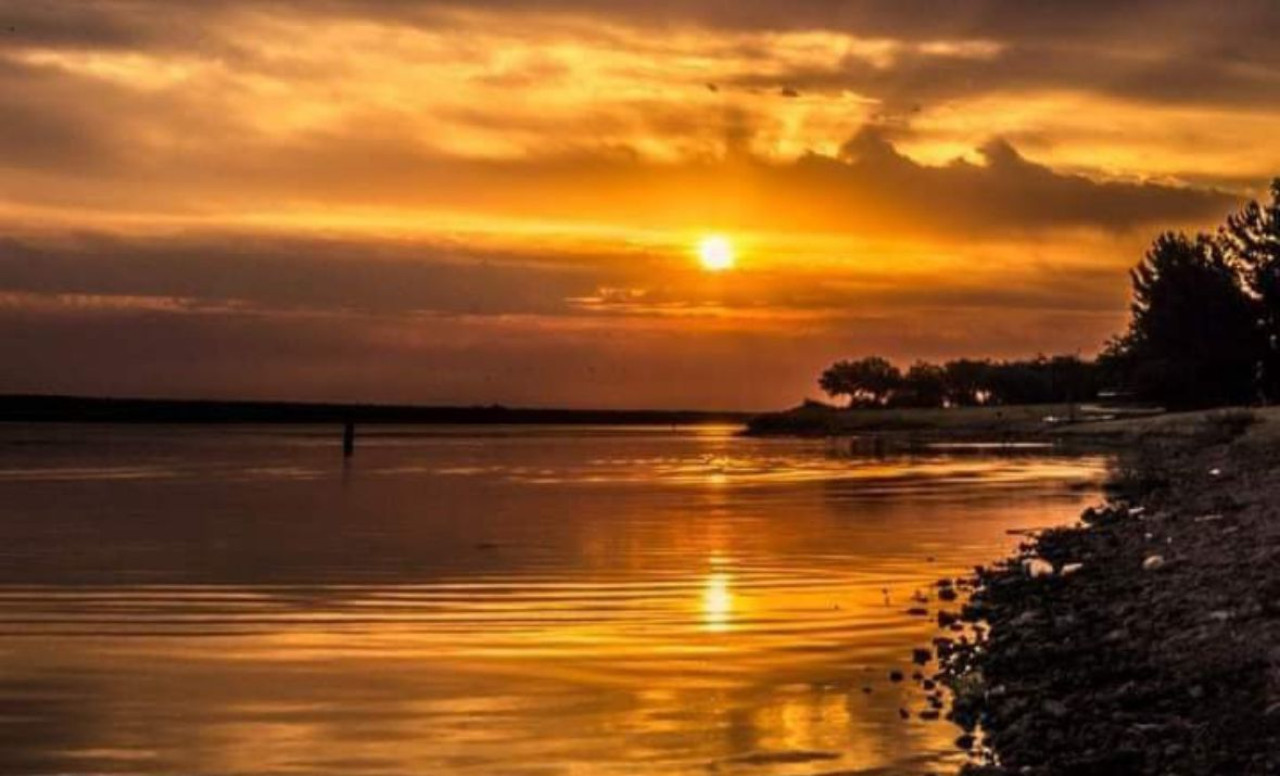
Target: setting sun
point(715, 253)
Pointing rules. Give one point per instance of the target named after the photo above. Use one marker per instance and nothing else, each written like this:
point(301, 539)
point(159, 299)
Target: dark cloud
point(1180, 51)
point(871, 189)
point(50, 122)
point(1007, 193)
point(281, 273)
point(1054, 20)
point(1192, 74)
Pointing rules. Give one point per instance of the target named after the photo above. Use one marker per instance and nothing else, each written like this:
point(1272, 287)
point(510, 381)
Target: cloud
point(494, 200)
point(283, 272)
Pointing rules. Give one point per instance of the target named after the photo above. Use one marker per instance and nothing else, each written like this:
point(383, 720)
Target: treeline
point(1204, 330)
point(875, 382)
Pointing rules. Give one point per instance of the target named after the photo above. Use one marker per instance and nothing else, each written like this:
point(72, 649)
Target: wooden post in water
point(348, 439)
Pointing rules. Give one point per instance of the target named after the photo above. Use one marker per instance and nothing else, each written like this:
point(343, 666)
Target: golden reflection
point(717, 602)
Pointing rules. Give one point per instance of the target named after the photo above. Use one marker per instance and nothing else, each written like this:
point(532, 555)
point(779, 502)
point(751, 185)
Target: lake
point(486, 600)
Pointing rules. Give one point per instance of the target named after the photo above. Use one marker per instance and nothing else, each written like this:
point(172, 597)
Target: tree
point(868, 381)
point(925, 385)
point(1193, 340)
point(1251, 243)
point(968, 382)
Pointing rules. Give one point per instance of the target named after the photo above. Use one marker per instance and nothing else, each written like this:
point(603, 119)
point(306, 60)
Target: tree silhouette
point(868, 381)
point(1192, 339)
point(1251, 242)
point(925, 385)
point(968, 382)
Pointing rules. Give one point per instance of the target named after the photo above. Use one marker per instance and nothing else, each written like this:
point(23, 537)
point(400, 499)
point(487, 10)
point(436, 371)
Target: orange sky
point(449, 202)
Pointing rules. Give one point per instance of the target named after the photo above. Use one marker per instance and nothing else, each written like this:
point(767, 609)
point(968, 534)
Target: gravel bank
point(1160, 652)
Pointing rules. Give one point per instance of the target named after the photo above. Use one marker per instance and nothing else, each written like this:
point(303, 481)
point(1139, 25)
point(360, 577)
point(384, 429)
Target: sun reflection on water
point(717, 602)
point(491, 602)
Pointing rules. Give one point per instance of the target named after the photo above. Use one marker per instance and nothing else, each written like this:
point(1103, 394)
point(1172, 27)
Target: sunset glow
point(412, 201)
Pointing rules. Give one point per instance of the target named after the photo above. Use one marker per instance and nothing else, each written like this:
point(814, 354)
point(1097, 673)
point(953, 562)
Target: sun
point(715, 253)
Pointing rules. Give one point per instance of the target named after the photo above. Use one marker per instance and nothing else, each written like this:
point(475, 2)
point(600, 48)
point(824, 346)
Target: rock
point(947, 594)
point(965, 742)
point(930, 714)
point(1070, 568)
point(904, 714)
point(1153, 562)
point(1117, 636)
point(896, 676)
point(921, 656)
point(1055, 709)
point(1035, 567)
point(1026, 618)
point(918, 611)
point(929, 684)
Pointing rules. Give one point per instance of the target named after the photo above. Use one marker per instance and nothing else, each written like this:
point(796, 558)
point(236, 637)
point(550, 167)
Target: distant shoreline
point(24, 408)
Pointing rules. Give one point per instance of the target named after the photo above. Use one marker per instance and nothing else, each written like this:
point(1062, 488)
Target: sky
point(445, 202)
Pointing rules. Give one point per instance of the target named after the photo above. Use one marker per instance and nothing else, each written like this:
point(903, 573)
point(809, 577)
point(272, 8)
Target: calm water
point(495, 601)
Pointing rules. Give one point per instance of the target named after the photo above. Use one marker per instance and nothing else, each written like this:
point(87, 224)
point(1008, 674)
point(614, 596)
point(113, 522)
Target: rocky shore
point(1147, 640)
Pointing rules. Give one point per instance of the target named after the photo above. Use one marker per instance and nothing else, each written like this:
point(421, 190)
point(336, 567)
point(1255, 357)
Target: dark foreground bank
point(1159, 653)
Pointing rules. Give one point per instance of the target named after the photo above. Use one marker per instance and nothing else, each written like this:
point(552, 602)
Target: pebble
point(1024, 619)
point(895, 676)
point(921, 656)
point(1116, 636)
point(1153, 562)
point(1037, 567)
